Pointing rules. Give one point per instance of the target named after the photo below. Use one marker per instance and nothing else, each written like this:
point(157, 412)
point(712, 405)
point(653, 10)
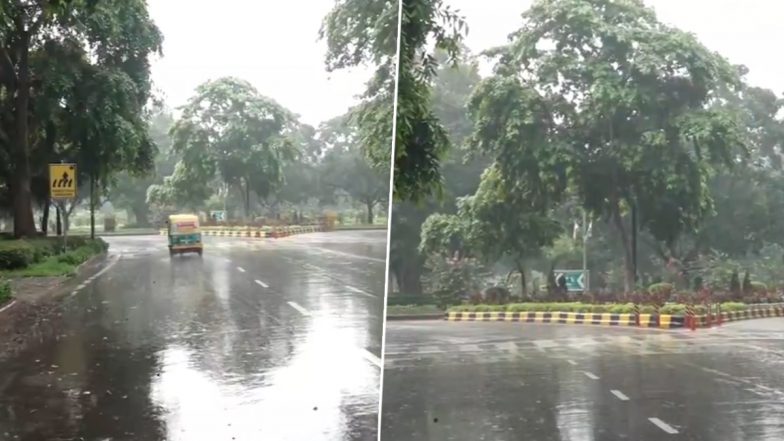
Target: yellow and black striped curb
point(665, 321)
point(256, 233)
point(754, 312)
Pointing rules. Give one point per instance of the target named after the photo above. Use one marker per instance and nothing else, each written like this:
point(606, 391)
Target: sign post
point(576, 280)
point(62, 187)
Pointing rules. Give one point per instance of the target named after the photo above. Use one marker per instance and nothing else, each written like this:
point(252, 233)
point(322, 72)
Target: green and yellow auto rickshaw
point(184, 234)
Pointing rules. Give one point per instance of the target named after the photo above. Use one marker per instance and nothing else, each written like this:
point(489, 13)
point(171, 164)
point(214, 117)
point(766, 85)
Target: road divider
point(754, 312)
point(571, 318)
point(257, 232)
point(662, 321)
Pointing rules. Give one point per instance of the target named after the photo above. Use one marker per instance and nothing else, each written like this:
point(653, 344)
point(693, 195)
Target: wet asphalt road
point(509, 381)
point(259, 339)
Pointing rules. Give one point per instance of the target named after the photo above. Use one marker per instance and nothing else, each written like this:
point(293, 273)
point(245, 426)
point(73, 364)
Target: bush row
point(5, 290)
point(18, 254)
point(408, 299)
point(624, 308)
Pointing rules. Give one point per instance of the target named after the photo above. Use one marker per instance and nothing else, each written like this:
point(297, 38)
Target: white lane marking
point(621, 396)
point(371, 357)
point(591, 375)
point(81, 286)
point(663, 426)
point(259, 282)
point(13, 302)
point(240, 269)
point(572, 362)
point(301, 310)
point(360, 291)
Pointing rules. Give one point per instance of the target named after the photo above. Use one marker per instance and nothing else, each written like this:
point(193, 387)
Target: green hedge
point(16, 254)
point(413, 309)
point(23, 253)
point(5, 290)
point(627, 308)
point(409, 299)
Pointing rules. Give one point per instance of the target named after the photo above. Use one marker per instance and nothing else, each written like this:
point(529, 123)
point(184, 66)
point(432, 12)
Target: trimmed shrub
point(733, 306)
point(408, 299)
point(16, 254)
point(661, 289)
point(758, 287)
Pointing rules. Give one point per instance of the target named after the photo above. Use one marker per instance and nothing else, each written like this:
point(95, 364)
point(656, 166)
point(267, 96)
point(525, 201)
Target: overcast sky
point(744, 31)
point(272, 44)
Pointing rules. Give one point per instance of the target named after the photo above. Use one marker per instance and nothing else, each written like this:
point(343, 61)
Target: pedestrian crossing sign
point(62, 181)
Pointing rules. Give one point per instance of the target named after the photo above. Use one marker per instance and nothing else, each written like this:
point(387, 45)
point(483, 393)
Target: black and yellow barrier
point(754, 312)
point(256, 233)
point(571, 318)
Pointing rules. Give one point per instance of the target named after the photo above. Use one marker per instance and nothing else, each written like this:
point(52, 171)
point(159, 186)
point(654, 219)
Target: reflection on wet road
point(258, 339)
point(507, 381)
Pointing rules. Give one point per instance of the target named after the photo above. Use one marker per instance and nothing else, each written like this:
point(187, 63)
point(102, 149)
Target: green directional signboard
point(576, 280)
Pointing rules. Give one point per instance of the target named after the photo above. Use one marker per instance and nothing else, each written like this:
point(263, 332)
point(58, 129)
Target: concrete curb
point(755, 312)
point(664, 321)
point(256, 233)
point(438, 316)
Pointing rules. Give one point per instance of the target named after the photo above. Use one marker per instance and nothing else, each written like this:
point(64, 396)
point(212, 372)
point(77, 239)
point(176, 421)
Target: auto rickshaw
point(184, 235)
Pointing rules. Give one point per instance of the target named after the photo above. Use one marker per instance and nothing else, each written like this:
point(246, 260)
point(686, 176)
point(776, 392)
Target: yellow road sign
point(62, 181)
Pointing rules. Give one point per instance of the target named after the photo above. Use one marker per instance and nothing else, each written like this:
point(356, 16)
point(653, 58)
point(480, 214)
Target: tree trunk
point(523, 284)
point(141, 212)
point(628, 252)
point(24, 221)
point(247, 199)
point(45, 217)
point(407, 275)
point(92, 206)
point(369, 205)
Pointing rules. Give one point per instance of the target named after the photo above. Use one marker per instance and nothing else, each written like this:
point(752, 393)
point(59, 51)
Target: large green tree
point(599, 97)
point(74, 78)
point(360, 32)
point(451, 89)
point(228, 131)
point(128, 191)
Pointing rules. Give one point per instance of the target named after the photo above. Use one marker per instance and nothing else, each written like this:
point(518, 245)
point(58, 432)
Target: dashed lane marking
point(240, 269)
point(259, 282)
point(301, 310)
point(572, 362)
point(591, 375)
point(371, 357)
point(360, 291)
point(621, 396)
point(663, 426)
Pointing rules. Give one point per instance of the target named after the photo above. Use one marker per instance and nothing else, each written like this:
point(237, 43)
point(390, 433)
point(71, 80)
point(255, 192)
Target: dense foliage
point(601, 130)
